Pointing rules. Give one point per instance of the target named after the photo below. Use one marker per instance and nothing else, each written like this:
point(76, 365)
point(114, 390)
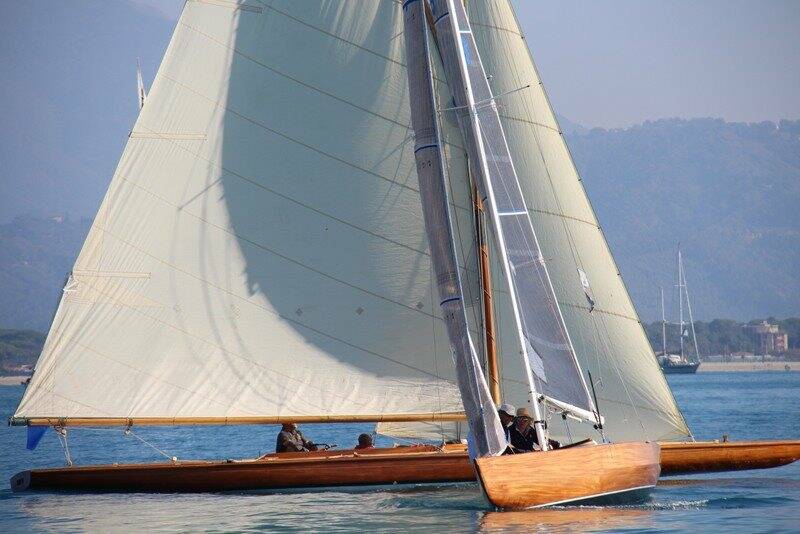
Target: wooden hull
point(277, 471)
point(568, 475)
point(711, 456)
point(386, 466)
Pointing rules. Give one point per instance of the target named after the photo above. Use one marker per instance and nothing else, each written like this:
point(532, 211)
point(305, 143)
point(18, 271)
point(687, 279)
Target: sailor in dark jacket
point(523, 434)
point(290, 439)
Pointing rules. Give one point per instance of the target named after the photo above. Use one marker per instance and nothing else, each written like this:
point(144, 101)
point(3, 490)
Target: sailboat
point(346, 211)
point(679, 363)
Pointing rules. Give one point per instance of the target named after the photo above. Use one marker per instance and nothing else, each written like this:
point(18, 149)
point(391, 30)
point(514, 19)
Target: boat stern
point(21, 481)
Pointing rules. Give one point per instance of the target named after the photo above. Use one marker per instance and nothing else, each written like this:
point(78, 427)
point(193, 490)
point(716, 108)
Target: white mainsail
point(609, 340)
point(260, 250)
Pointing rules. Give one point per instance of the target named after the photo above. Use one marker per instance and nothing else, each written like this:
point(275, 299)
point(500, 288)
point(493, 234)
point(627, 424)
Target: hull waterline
point(401, 465)
point(411, 465)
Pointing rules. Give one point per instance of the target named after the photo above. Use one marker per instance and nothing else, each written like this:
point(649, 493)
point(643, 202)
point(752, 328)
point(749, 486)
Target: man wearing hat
point(523, 435)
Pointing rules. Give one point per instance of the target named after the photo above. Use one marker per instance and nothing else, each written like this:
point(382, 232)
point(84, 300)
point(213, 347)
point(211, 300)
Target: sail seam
point(259, 185)
point(295, 80)
point(270, 250)
point(528, 121)
point(564, 216)
point(252, 362)
point(292, 78)
point(142, 371)
point(254, 122)
point(232, 4)
point(599, 310)
point(333, 35)
point(285, 318)
point(492, 27)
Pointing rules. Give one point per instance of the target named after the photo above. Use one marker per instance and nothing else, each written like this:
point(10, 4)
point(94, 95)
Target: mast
point(680, 298)
point(663, 327)
point(488, 307)
point(691, 318)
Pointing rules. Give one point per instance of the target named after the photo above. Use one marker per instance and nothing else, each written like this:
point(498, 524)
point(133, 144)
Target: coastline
point(741, 367)
point(12, 380)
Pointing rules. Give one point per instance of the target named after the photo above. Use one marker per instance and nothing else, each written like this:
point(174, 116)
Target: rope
point(129, 432)
point(61, 432)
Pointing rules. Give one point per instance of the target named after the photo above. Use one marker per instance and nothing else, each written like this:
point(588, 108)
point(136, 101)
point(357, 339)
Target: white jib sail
point(545, 343)
point(482, 416)
point(260, 250)
point(608, 340)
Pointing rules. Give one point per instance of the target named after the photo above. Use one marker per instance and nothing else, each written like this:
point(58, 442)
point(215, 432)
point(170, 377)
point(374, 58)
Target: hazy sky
point(615, 63)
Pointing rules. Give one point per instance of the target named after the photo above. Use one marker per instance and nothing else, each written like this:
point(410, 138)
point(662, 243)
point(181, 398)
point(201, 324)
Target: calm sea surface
point(743, 405)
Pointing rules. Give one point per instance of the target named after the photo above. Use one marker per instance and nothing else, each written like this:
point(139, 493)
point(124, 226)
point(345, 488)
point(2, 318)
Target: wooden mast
point(488, 308)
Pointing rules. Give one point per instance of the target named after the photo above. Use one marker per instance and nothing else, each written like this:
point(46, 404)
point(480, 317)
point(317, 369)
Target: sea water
point(758, 405)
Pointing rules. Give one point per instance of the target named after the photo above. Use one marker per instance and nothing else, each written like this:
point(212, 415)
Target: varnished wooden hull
point(711, 456)
point(397, 465)
point(568, 475)
point(291, 470)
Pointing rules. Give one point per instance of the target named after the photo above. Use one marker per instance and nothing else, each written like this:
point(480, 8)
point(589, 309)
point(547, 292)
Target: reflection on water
point(577, 519)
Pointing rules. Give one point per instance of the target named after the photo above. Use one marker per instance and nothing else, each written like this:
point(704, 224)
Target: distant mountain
point(35, 257)
point(729, 192)
point(19, 350)
point(571, 128)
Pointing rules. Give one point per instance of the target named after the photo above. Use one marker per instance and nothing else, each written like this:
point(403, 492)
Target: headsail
point(260, 251)
point(608, 340)
point(544, 341)
point(481, 413)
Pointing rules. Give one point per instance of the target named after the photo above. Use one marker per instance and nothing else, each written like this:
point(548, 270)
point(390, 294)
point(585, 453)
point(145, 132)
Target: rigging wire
point(129, 432)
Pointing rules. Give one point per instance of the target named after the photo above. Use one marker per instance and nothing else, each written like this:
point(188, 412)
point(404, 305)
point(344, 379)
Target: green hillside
point(729, 192)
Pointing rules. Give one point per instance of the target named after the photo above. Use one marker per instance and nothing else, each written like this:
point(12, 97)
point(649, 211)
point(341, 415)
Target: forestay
point(260, 252)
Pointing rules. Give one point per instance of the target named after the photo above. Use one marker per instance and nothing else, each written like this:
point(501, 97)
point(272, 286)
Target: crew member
point(523, 434)
point(364, 442)
point(290, 439)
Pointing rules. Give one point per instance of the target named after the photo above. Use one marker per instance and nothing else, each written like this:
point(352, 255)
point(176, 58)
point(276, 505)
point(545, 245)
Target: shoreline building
point(768, 338)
